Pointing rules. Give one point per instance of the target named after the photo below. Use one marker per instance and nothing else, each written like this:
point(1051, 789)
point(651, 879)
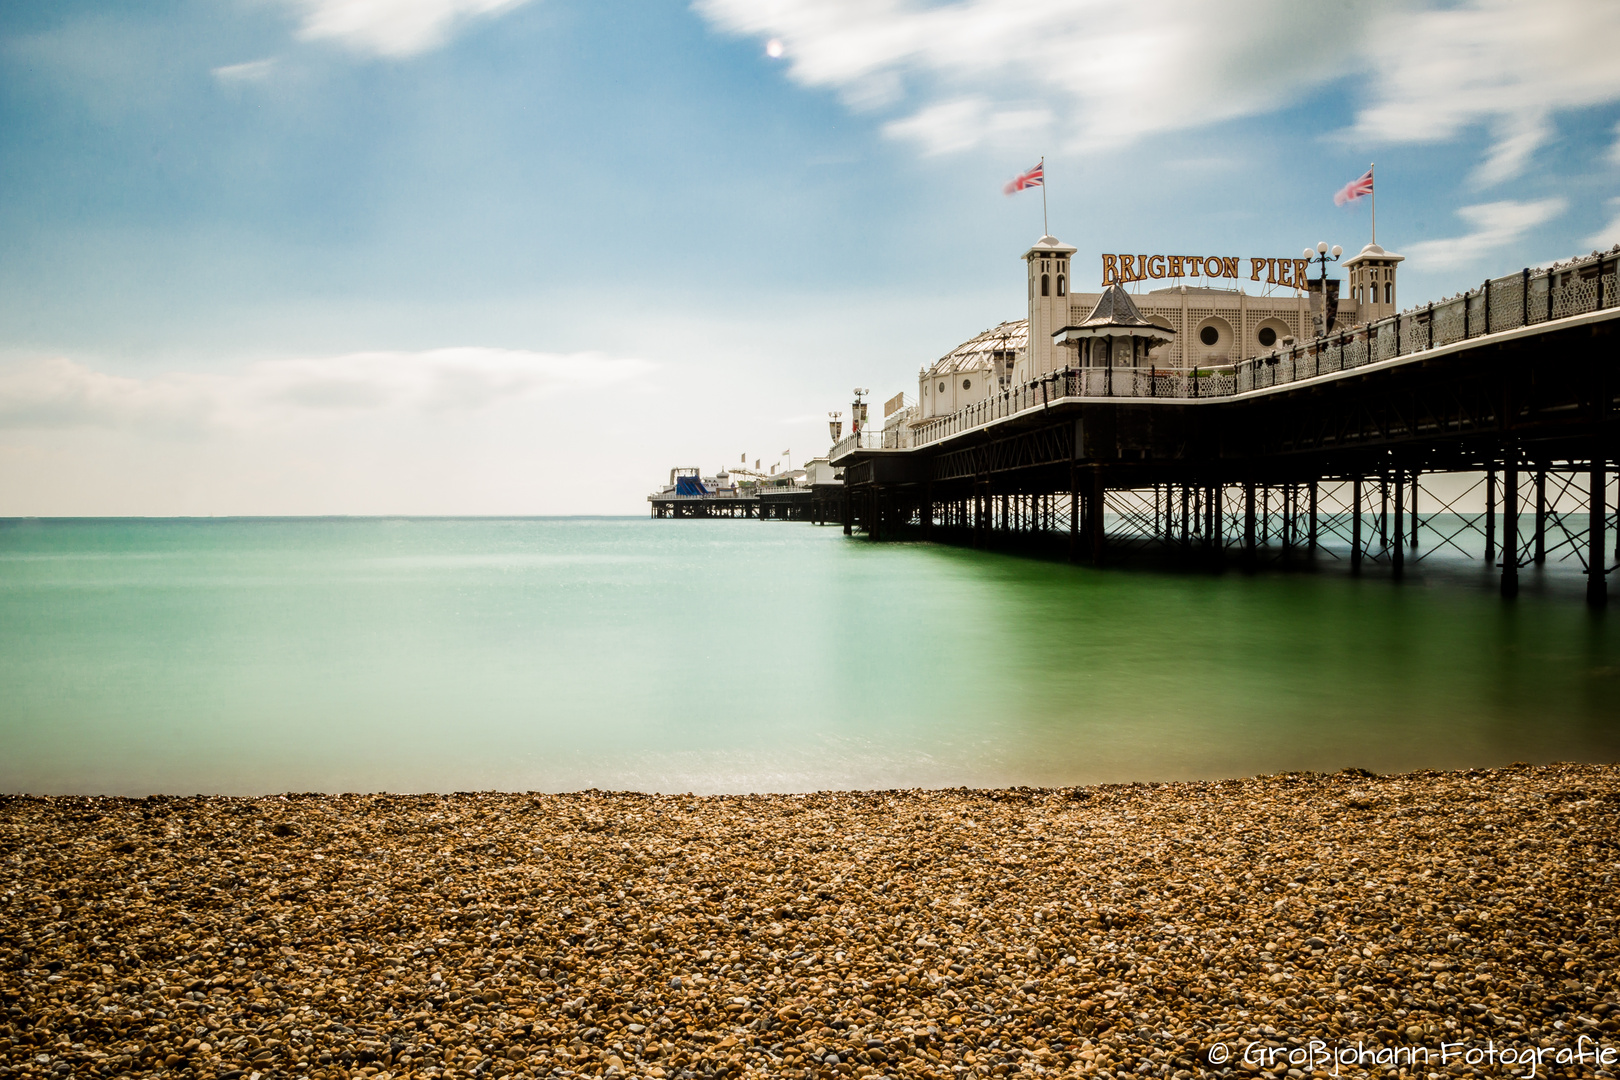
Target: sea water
point(272, 655)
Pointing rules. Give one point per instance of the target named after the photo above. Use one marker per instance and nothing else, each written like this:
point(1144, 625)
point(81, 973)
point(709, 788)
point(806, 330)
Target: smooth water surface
point(264, 655)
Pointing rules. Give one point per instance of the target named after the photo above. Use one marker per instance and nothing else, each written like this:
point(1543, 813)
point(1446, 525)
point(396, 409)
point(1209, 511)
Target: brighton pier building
point(1202, 316)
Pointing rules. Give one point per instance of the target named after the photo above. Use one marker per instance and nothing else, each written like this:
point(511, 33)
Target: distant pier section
point(813, 493)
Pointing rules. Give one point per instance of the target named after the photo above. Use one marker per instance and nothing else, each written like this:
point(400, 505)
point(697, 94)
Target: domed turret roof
point(1373, 251)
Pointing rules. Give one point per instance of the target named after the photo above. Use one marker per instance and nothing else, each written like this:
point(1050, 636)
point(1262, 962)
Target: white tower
point(1372, 282)
point(1049, 282)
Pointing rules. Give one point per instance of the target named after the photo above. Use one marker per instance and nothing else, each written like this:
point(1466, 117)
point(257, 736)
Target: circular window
point(967, 384)
point(942, 388)
point(1268, 337)
point(1209, 335)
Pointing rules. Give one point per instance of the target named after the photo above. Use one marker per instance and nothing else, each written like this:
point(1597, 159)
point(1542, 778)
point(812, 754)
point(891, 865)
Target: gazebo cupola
point(1114, 335)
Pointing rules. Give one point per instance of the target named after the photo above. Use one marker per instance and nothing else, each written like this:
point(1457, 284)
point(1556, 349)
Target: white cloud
point(1095, 73)
point(1494, 62)
point(1495, 225)
point(395, 28)
point(963, 122)
point(1609, 235)
point(252, 71)
point(61, 393)
point(1091, 73)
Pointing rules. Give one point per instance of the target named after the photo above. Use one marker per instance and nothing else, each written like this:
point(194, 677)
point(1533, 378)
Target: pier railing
point(1500, 304)
point(869, 439)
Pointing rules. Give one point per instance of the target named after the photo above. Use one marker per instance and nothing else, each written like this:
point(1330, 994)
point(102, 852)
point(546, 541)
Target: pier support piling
point(1541, 516)
point(1355, 525)
point(1398, 555)
point(1074, 513)
point(1415, 474)
point(1383, 512)
point(1098, 504)
point(1597, 585)
point(1248, 523)
point(1490, 518)
point(1510, 529)
point(1311, 541)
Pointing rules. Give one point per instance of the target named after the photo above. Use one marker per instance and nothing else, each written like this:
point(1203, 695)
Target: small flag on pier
point(1035, 177)
point(1355, 189)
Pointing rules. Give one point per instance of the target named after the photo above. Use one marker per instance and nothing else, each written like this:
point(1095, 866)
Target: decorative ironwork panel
point(1448, 322)
point(1574, 296)
point(1354, 353)
point(1507, 303)
point(1384, 341)
point(1476, 313)
point(1538, 298)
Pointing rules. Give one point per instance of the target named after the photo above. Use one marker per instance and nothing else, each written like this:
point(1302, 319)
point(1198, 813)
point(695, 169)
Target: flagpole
point(1374, 201)
point(1046, 229)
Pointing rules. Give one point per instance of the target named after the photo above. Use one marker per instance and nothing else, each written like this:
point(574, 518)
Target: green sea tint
point(253, 656)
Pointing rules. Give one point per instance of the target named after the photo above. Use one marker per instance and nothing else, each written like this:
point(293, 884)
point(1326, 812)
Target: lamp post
point(857, 412)
point(835, 425)
point(1323, 255)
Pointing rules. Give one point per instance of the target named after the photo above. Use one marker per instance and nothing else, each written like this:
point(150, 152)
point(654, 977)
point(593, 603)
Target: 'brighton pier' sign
point(1119, 269)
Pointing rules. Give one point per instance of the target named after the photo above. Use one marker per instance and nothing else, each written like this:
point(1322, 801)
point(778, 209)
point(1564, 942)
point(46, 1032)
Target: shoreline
point(1127, 928)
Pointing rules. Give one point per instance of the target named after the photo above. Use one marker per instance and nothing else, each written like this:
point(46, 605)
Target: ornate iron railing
point(1499, 305)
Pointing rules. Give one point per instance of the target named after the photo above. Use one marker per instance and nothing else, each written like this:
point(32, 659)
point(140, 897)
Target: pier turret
point(1372, 282)
point(1049, 282)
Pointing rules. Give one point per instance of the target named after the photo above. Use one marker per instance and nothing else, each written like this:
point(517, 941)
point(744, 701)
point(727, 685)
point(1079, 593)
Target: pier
point(1327, 447)
point(704, 506)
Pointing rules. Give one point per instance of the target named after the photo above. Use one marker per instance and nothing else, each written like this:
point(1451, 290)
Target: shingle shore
point(1123, 929)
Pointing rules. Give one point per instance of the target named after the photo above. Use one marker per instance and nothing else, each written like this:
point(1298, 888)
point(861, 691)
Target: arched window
point(1046, 284)
point(1062, 286)
point(1389, 292)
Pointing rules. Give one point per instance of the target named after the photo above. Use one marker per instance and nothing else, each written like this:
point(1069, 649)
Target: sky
point(524, 256)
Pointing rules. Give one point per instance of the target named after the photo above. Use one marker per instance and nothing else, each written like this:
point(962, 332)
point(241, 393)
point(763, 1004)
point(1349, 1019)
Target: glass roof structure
point(977, 353)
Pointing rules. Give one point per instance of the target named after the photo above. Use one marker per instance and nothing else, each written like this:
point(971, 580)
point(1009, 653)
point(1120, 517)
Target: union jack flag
point(1354, 190)
point(1035, 177)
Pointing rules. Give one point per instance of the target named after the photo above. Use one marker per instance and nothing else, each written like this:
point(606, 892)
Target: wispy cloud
point(63, 393)
point(1495, 225)
point(1095, 73)
point(252, 71)
point(392, 28)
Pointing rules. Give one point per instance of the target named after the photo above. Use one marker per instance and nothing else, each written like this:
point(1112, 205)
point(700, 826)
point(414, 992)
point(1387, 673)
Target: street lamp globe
point(1310, 254)
point(1321, 247)
point(1337, 251)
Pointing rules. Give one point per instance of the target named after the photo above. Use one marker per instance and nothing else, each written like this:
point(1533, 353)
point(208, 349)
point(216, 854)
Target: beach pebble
point(1122, 930)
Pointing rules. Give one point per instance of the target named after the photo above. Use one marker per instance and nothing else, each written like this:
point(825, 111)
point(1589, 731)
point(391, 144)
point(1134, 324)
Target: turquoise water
point(261, 655)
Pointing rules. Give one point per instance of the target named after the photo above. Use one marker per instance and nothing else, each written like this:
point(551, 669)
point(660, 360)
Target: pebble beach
point(1170, 930)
